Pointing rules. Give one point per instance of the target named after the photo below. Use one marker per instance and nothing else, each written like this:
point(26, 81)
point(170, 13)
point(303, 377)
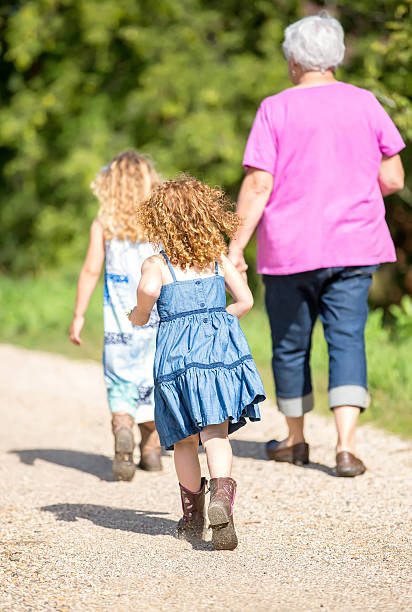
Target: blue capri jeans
point(339, 296)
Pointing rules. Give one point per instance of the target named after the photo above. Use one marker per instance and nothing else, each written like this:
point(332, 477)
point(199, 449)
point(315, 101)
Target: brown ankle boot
point(150, 451)
point(123, 464)
point(220, 512)
point(192, 524)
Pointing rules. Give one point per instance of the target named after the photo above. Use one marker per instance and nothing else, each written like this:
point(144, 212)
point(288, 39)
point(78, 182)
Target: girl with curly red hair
point(206, 383)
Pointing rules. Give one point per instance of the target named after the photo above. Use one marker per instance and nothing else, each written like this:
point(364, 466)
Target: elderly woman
point(319, 158)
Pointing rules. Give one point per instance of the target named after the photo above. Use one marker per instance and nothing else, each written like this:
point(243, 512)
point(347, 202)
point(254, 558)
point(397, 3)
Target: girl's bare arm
point(88, 277)
point(147, 292)
point(238, 289)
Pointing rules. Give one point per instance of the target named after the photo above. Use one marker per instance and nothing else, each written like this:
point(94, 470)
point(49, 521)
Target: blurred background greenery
point(81, 80)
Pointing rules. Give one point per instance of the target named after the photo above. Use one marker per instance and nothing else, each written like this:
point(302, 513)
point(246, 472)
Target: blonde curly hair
point(189, 220)
point(127, 180)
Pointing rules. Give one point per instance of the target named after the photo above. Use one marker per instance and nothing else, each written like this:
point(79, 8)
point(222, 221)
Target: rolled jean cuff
point(349, 395)
point(295, 406)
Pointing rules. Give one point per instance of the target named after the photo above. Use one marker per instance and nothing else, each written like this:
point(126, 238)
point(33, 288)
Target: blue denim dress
point(203, 370)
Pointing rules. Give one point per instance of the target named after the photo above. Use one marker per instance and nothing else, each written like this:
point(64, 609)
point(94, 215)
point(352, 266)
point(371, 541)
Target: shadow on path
point(320, 467)
point(101, 466)
point(248, 449)
point(256, 450)
point(135, 521)
point(91, 463)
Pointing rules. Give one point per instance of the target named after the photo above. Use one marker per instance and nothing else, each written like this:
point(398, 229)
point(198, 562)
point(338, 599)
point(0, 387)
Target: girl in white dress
point(118, 241)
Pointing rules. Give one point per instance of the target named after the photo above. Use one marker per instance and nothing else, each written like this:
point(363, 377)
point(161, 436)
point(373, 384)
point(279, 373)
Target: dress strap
point(216, 268)
point(169, 265)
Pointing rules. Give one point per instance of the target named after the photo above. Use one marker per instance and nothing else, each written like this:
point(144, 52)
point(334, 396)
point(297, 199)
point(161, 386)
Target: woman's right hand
point(76, 329)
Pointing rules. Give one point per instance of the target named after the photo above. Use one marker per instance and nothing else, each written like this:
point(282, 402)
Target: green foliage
point(82, 79)
point(402, 318)
point(37, 313)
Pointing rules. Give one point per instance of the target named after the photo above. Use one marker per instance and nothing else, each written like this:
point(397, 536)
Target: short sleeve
point(261, 148)
point(389, 139)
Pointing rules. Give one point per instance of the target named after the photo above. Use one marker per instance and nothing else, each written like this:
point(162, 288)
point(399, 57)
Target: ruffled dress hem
point(206, 396)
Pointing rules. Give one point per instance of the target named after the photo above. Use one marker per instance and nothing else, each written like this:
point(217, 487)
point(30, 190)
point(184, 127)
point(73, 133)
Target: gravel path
point(72, 539)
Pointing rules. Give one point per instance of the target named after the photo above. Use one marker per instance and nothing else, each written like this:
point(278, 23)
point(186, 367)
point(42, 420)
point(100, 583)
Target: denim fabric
point(203, 371)
point(293, 302)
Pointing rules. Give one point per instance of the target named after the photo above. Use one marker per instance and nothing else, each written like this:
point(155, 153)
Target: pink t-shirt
point(323, 146)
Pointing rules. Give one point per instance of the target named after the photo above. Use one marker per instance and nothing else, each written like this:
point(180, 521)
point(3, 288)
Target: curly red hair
point(190, 220)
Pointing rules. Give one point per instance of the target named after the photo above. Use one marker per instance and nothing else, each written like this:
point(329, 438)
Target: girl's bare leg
point(187, 463)
point(218, 450)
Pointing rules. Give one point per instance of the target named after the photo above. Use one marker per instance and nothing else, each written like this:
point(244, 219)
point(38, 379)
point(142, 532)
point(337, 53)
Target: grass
point(36, 313)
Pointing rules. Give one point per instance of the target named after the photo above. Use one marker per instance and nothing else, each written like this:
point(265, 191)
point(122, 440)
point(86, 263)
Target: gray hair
point(315, 43)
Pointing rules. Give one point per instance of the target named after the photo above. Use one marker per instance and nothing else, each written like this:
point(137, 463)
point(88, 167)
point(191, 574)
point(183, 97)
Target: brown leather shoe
point(297, 454)
point(150, 451)
point(348, 465)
